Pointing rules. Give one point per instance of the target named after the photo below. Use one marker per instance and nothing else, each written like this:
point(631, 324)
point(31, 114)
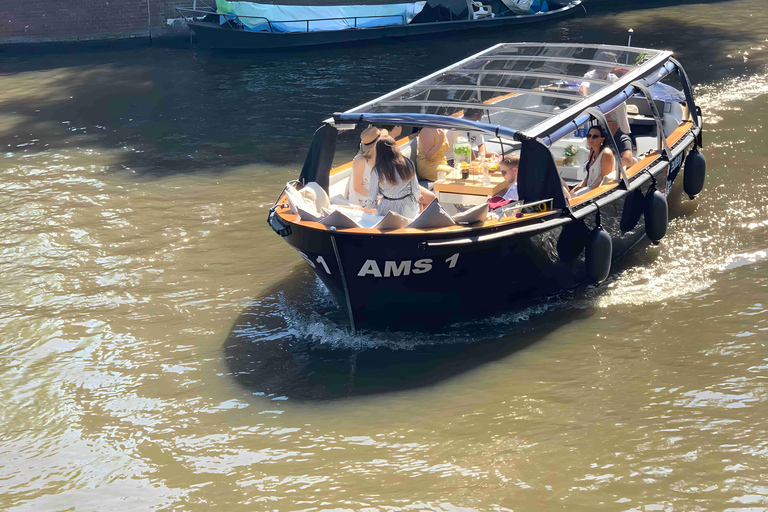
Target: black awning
point(537, 177)
point(317, 165)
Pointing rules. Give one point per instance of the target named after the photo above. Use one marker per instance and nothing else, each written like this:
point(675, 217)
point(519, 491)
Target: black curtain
point(537, 177)
point(317, 166)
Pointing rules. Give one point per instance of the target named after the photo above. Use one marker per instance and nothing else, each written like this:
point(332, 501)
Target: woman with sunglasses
point(600, 163)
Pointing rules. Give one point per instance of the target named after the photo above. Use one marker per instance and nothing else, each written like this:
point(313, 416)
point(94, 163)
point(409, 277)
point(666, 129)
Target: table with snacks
point(470, 190)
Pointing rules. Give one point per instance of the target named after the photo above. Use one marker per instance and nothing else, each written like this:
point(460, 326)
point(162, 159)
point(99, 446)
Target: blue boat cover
point(313, 18)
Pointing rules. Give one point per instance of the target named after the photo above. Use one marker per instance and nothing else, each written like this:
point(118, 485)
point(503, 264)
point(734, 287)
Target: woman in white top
point(600, 163)
point(362, 165)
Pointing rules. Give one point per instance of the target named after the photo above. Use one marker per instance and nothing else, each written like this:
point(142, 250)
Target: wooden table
point(469, 191)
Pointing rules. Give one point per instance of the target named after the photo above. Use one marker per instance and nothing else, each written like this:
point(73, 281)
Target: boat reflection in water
point(293, 343)
point(455, 261)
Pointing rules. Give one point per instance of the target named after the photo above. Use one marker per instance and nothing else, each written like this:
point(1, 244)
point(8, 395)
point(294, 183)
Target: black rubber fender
point(634, 205)
point(694, 173)
point(573, 238)
point(656, 215)
point(599, 253)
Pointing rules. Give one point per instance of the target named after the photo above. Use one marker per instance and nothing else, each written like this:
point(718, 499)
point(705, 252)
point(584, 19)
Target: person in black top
point(623, 142)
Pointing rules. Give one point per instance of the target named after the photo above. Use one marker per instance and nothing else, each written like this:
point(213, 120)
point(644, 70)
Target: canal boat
point(240, 25)
point(457, 260)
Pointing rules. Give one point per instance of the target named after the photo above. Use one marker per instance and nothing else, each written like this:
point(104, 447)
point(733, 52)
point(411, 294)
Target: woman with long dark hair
point(394, 178)
point(599, 164)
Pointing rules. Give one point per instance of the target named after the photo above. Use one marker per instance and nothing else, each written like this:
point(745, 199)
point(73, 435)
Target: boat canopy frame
point(546, 133)
point(651, 70)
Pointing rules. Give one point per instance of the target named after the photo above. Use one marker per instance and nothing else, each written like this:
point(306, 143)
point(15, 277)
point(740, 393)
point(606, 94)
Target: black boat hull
point(214, 35)
point(419, 281)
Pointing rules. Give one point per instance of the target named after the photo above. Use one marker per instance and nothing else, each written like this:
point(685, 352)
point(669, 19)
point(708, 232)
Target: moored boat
point(242, 25)
point(455, 261)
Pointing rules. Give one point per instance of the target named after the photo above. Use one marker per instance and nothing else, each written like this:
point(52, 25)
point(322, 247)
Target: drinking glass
point(440, 176)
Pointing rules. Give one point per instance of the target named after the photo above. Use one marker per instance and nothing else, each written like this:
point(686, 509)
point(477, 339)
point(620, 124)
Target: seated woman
point(430, 158)
point(357, 191)
point(600, 163)
point(394, 177)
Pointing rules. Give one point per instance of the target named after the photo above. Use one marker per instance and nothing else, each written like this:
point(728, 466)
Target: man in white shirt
point(603, 72)
point(508, 167)
point(476, 139)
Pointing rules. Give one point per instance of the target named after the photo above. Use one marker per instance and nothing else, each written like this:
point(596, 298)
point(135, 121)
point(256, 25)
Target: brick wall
point(71, 20)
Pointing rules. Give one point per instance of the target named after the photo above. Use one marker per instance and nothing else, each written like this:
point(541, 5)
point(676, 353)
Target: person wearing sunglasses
point(600, 163)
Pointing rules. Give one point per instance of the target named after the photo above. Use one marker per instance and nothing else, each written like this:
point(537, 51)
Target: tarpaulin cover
point(293, 18)
point(526, 6)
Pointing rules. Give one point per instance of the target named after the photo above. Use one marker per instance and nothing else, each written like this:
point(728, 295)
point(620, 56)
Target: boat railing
point(197, 14)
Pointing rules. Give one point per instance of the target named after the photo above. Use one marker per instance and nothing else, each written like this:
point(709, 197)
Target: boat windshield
point(520, 85)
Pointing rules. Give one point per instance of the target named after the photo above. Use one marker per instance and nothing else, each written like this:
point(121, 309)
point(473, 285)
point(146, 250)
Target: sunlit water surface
point(162, 349)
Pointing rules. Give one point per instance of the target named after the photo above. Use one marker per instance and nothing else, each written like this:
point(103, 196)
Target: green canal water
point(162, 349)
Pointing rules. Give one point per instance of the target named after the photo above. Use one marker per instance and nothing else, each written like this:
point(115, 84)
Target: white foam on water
point(305, 321)
point(725, 95)
point(699, 246)
point(741, 260)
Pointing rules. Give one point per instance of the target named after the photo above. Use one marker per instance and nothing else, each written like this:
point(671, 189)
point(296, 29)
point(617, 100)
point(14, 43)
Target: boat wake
point(721, 229)
point(295, 342)
point(311, 314)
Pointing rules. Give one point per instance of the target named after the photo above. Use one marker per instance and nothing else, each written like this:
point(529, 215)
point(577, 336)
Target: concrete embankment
point(45, 21)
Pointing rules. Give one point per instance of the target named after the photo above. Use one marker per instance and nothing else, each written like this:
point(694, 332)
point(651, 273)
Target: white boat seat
point(645, 144)
point(481, 11)
point(340, 200)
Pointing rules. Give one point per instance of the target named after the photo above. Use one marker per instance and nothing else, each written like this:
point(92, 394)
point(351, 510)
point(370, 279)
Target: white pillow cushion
point(307, 214)
point(294, 199)
point(475, 214)
point(433, 217)
point(339, 220)
point(323, 201)
point(392, 220)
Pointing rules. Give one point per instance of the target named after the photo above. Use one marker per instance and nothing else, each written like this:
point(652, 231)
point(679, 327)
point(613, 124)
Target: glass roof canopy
point(521, 86)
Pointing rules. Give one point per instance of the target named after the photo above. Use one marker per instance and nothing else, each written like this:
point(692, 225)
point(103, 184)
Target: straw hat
point(370, 136)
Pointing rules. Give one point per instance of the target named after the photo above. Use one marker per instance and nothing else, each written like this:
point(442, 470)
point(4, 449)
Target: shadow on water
point(295, 342)
point(168, 110)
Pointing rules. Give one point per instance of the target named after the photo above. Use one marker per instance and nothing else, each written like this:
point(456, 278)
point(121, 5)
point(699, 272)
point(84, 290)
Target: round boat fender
point(572, 240)
point(599, 253)
point(656, 214)
point(694, 173)
point(633, 209)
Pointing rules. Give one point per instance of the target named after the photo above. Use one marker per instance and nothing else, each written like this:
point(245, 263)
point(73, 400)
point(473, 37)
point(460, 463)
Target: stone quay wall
point(39, 21)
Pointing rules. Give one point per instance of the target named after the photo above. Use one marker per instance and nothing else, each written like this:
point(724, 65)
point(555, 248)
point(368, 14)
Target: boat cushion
point(433, 217)
point(339, 220)
point(295, 200)
point(475, 214)
point(340, 200)
point(392, 220)
point(410, 150)
point(321, 196)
